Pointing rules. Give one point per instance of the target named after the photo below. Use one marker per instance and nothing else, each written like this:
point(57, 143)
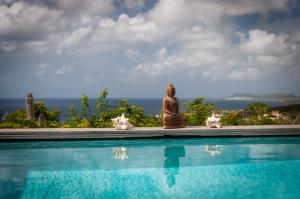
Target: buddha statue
point(171, 117)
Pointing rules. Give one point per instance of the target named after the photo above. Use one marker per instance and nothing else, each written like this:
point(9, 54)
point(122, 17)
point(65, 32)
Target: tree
point(72, 111)
point(18, 119)
point(257, 109)
point(85, 106)
point(101, 101)
point(232, 118)
point(38, 108)
point(197, 112)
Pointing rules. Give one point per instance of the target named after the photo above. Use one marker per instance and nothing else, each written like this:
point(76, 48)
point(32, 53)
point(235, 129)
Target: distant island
point(286, 98)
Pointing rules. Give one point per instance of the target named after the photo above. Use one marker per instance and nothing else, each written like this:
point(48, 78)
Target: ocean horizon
point(152, 106)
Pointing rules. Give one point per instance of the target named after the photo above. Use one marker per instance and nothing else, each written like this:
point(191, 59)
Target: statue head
point(170, 90)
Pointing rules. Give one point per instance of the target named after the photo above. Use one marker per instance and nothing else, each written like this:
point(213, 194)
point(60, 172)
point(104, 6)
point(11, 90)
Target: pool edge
point(146, 133)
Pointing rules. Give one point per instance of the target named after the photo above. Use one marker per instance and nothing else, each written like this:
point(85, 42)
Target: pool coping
point(146, 132)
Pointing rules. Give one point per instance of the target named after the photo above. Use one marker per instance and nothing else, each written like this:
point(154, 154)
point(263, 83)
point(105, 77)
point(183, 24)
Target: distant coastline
point(285, 98)
point(239, 98)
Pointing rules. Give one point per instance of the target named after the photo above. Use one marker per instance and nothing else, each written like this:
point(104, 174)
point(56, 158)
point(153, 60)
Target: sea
point(152, 106)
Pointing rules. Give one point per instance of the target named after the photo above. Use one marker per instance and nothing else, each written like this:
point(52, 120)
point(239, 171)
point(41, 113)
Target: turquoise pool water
point(162, 168)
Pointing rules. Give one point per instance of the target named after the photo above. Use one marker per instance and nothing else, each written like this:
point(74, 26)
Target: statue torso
point(172, 104)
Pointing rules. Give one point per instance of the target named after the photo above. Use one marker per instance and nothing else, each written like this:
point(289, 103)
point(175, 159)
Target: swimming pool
point(158, 168)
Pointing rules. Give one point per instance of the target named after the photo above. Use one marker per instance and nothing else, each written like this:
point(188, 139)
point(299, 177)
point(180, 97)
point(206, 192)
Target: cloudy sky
point(212, 48)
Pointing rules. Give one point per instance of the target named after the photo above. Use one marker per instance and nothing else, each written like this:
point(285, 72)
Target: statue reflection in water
point(171, 164)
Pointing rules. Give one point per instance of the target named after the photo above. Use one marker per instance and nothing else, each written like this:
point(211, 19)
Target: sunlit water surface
point(161, 168)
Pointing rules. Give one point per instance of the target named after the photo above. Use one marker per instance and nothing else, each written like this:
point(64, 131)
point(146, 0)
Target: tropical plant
point(85, 106)
point(232, 118)
point(197, 112)
point(257, 109)
point(38, 108)
point(18, 119)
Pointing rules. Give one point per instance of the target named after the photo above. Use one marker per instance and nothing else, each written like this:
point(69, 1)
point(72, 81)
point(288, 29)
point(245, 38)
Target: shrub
point(197, 112)
point(17, 116)
point(256, 109)
point(38, 108)
point(232, 118)
point(9, 125)
point(18, 119)
point(54, 115)
point(83, 124)
point(85, 106)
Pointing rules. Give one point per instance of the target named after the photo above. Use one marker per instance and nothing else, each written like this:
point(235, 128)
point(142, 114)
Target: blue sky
point(211, 48)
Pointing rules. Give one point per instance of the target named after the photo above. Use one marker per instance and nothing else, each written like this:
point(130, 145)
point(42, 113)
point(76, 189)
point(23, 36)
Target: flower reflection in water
point(120, 153)
point(212, 150)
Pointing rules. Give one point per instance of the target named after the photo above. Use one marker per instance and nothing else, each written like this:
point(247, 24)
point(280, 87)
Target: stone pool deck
point(146, 132)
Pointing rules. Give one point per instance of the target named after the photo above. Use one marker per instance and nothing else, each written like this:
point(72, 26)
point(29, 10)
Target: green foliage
point(83, 124)
point(296, 120)
point(72, 122)
point(18, 119)
point(73, 118)
point(291, 114)
point(54, 115)
point(133, 112)
point(38, 108)
point(53, 119)
point(85, 106)
point(197, 112)
point(101, 101)
point(232, 118)
point(72, 111)
point(101, 123)
point(257, 109)
point(17, 116)
point(10, 125)
point(106, 111)
point(256, 113)
point(53, 124)
point(152, 121)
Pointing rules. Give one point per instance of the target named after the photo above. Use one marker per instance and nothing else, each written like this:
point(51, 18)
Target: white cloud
point(127, 30)
point(85, 20)
point(36, 22)
point(270, 49)
point(75, 37)
point(211, 54)
point(93, 79)
point(7, 46)
point(63, 70)
point(264, 43)
point(206, 52)
point(87, 6)
point(244, 74)
point(132, 54)
point(41, 69)
point(134, 3)
point(179, 12)
point(176, 35)
point(43, 66)
point(162, 53)
point(27, 20)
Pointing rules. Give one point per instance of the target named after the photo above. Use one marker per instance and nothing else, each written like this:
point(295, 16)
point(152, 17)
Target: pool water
point(160, 168)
